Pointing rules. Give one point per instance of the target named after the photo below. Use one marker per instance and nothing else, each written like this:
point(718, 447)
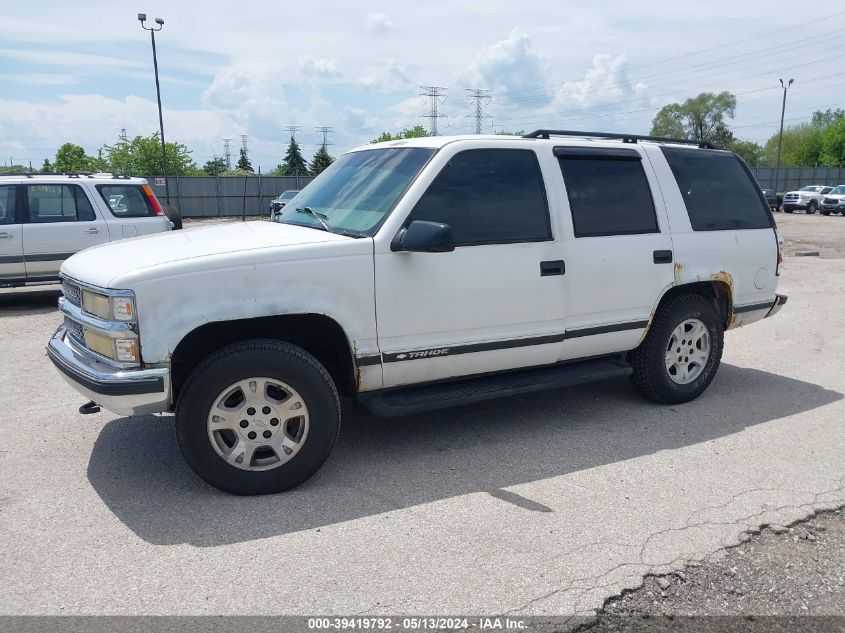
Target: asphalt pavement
point(540, 504)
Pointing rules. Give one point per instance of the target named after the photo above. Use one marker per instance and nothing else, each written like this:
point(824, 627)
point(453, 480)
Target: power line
point(481, 98)
point(436, 96)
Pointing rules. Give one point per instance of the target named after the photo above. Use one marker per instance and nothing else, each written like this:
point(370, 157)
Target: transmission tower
point(481, 98)
point(325, 131)
point(436, 96)
point(123, 136)
point(244, 146)
point(227, 153)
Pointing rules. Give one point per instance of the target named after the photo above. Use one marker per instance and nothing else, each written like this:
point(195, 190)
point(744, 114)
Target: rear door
point(132, 209)
point(11, 240)
point(619, 252)
point(59, 222)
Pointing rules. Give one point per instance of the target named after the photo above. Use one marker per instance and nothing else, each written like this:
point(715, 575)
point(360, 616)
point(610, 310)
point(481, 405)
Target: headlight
point(108, 307)
point(121, 349)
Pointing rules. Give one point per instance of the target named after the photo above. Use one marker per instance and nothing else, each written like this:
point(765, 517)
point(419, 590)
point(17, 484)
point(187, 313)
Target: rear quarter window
point(126, 201)
point(719, 191)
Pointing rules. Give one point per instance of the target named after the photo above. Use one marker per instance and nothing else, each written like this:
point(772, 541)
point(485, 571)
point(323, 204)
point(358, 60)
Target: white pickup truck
point(420, 274)
point(44, 219)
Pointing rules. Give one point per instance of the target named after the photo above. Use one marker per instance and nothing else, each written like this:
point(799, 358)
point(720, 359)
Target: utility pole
point(780, 136)
point(481, 98)
point(436, 96)
point(325, 131)
point(227, 153)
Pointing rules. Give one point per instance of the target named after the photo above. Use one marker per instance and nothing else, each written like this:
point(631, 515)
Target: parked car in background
point(834, 202)
point(278, 203)
point(773, 199)
point(807, 199)
point(44, 219)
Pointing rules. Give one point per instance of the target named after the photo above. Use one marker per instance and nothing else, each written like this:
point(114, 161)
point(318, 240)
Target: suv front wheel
point(811, 208)
point(681, 352)
point(258, 417)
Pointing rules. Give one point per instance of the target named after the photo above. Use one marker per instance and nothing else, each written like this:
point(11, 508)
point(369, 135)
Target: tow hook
point(89, 407)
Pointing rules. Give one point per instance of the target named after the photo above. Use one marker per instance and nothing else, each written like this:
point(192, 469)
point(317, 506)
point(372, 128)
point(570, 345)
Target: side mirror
point(421, 236)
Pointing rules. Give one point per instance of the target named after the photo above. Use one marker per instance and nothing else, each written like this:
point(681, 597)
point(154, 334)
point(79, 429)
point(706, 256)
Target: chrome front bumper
point(125, 392)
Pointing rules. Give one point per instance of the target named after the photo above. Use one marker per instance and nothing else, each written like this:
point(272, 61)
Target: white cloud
point(323, 68)
point(379, 23)
point(605, 82)
point(509, 65)
point(41, 79)
point(389, 77)
point(69, 58)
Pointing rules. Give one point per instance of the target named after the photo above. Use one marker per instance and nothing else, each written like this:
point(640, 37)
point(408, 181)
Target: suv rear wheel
point(681, 352)
point(258, 417)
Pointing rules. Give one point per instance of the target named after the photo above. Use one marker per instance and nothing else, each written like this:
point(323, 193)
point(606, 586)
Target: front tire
point(258, 417)
point(811, 208)
point(681, 352)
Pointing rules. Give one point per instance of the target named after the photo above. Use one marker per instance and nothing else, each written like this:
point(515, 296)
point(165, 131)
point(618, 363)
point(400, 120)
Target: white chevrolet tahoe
point(419, 274)
point(44, 219)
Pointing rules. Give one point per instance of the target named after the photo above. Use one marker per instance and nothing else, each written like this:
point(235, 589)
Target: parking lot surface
point(539, 504)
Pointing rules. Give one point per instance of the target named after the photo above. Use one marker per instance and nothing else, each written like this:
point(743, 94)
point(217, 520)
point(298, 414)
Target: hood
point(101, 264)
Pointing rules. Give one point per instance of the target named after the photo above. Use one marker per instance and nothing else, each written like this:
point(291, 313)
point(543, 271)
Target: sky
point(82, 71)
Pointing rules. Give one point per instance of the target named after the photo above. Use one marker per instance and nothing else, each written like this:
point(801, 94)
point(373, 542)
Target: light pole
point(142, 18)
point(780, 136)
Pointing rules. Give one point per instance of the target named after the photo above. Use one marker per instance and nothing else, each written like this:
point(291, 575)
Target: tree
point(823, 119)
point(46, 168)
point(141, 156)
point(294, 164)
point(702, 118)
point(802, 145)
point(418, 131)
point(72, 158)
point(214, 167)
point(321, 160)
point(749, 151)
point(244, 162)
point(833, 143)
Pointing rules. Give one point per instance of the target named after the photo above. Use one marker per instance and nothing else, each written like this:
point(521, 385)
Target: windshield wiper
point(320, 217)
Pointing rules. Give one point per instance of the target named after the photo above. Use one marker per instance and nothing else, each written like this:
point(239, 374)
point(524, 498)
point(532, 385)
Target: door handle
point(92, 231)
point(5, 236)
point(554, 267)
point(662, 257)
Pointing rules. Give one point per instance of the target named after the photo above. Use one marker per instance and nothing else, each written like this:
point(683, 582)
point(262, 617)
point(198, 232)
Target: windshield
point(809, 189)
point(838, 190)
point(357, 192)
point(287, 195)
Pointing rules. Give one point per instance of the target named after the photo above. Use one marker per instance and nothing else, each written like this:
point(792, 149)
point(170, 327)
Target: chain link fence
point(225, 196)
point(229, 196)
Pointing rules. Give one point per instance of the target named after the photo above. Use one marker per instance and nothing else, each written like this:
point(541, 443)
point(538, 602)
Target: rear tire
point(694, 320)
point(229, 450)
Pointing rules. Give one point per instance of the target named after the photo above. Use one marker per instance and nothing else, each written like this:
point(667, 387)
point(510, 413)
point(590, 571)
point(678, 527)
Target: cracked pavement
point(543, 504)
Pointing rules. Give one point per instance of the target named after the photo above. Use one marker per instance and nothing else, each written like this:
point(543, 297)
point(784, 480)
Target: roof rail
point(624, 137)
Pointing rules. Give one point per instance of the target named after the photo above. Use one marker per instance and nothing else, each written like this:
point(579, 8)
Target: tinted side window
point(608, 196)
point(489, 196)
point(58, 203)
point(126, 201)
point(8, 205)
point(718, 190)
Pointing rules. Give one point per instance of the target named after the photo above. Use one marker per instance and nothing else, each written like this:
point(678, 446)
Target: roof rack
point(625, 138)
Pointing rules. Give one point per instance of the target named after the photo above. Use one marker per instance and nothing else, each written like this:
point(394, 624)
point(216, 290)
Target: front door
point(60, 222)
point(11, 240)
point(498, 300)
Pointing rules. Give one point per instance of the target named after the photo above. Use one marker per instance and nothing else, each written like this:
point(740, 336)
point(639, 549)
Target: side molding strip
point(436, 352)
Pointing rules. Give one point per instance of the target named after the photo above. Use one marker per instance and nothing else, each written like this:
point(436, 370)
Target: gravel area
point(784, 571)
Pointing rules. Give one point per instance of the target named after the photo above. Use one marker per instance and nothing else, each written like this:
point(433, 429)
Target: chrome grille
point(75, 331)
point(72, 293)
